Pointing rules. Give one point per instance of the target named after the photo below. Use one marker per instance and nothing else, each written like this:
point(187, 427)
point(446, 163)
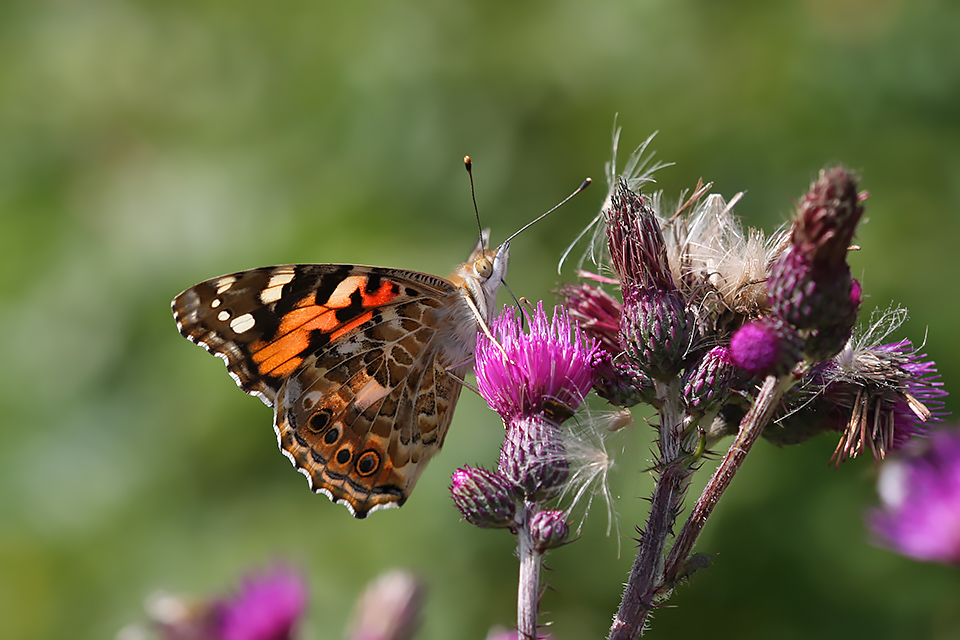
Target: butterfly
point(361, 365)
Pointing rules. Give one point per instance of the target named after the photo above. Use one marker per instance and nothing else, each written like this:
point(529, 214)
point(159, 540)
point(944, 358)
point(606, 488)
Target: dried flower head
point(878, 396)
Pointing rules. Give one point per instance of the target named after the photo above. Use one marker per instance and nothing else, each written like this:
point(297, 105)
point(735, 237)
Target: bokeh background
point(145, 146)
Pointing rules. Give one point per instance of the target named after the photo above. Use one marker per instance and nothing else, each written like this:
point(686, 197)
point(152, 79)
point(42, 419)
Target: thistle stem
point(646, 576)
point(528, 586)
point(750, 428)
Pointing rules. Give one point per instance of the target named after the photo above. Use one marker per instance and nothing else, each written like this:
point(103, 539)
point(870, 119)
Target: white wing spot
point(242, 323)
point(216, 303)
point(223, 316)
point(275, 286)
point(225, 283)
point(341, 295)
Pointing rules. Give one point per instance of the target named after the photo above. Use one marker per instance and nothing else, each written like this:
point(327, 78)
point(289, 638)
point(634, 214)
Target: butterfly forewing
point(264, 322)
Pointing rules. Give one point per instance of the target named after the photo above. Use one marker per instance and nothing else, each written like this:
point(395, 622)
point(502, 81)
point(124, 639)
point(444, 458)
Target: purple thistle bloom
point(549, 370)
point(920, 516)
point(766, 347)
point(535, 381)
point(267, 607)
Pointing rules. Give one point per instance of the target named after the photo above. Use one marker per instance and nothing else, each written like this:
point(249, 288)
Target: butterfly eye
point(484, 267)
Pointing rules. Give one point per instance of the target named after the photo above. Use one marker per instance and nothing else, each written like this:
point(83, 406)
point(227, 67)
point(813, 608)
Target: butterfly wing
point(366, 413)
point(352, 358)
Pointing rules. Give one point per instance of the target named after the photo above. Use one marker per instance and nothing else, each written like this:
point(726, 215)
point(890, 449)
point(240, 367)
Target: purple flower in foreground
point(390, 608)
point(267, 607)
point(920, 516)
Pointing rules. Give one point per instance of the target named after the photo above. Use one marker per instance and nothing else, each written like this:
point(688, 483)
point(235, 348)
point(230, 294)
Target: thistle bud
point(620, 383)
point(708, 384)
point(810, 286)
point(655, 327)
point(549, 530)
point(484, 498)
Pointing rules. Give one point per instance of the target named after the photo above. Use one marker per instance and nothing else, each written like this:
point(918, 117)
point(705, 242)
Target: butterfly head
point(482, 274)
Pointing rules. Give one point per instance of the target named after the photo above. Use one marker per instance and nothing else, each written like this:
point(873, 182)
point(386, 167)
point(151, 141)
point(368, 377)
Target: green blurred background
point(145, 146)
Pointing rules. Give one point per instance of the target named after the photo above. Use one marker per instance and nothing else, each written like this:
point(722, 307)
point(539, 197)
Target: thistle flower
point(267, 607)
point(523, 374)
point(887, 395)
point(920, 513)
point(765, 347)
point(534, 381)
point(595, 311)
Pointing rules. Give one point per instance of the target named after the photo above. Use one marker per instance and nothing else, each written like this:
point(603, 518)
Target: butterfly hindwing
point(365, 414)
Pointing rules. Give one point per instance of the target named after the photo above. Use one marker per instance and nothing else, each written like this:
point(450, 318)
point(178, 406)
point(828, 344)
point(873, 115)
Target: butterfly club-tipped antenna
point(468, 165)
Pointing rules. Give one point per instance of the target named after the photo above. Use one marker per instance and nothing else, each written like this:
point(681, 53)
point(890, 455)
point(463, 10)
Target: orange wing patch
point(284, 355)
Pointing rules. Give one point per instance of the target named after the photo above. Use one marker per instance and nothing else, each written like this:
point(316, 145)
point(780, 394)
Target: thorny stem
point(750, 428)
point(528, 586)
point(646, 576)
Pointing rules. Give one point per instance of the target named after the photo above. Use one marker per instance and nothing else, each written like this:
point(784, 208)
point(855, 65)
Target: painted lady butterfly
point(355, 361)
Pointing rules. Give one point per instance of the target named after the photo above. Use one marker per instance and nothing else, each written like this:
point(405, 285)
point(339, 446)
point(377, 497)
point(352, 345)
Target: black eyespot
point(332, 436)
point(319, 420)
point(343, 456)
point(368, 462)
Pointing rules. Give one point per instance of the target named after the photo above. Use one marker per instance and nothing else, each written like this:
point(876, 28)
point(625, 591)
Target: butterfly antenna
point(468, 165)
point(586, 183)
